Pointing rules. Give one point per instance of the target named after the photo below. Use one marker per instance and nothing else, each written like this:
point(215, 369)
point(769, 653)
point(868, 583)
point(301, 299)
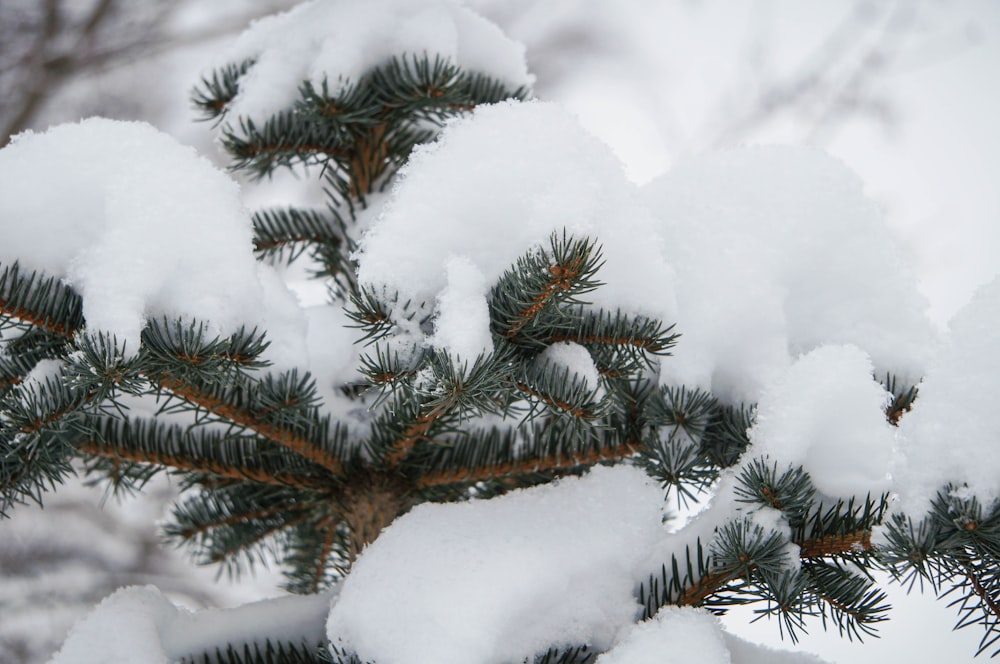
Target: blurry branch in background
point(49, 43)
point(842, 79)
point(846, 79)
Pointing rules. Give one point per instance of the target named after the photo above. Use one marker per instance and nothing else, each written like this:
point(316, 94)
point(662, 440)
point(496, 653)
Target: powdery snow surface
point(746, 652)
point(462, 326)
point(678, 635)
point(759, 255)
point(951, 434)
point(499, 183)
point(138, 625)
point(498, 580)
point(673, 636)
point(576, 359)
point(141, 227)
point(339, 40)
point(778, 251)
point(827, 414)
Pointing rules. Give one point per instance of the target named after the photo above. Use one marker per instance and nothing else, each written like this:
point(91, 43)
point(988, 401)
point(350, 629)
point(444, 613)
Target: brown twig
point(368, 161)
point(415, 433)
point(208, 466)
point(819, 547)
point(283, 437)
point(562, 280)
point(32, 317)
point(524, 466)
point(188, 533)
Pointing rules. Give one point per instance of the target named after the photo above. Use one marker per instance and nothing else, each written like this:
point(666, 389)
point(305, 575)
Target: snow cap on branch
point(499, 580)
point(339, 41)
point(141, 227)
point(674, 636)
point(138, 625)
point(827, 414)
point(951, 435)
point(505, 179)
point(778, 251)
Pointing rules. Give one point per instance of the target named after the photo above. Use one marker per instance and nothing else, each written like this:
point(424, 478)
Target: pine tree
point(269, 471)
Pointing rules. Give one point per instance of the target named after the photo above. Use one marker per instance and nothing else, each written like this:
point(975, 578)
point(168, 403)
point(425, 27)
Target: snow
point(141, 227)
point(677, 635)
point(759, 255)
point(500, 182)
point(498, 580)
point(746, 652)
point(673, 636)
point(338, 41)
point(149, 629)
point(950, 436)
point(827, 414)
point(576, 359)
point(462, 326)
point(778, 251)
point(333, 359)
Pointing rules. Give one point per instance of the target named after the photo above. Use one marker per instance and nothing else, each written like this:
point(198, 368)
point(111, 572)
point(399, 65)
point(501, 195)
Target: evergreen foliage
point(271, 474)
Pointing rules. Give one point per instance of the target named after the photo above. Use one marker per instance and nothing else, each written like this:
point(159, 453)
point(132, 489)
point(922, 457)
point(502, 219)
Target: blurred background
point(905, 92)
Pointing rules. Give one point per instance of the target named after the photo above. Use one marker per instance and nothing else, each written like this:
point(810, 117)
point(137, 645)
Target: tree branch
point(208, 466)
point(524, 467)
point(283, 437)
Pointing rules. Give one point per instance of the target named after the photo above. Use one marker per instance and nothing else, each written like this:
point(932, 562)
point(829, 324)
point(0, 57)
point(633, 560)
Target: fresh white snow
point(337, 41)
point(498, 580)
point(576, 359)
point(673, 636)
point(138, 625)
point(462, 325)
point(951, 435)
point(777, 252)
point(827, 414)
point(678, 635)
point(141, 227)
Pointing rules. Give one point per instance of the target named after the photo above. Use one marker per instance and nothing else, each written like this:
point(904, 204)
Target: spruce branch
point(237, 523)
point(212, 401)
point(202, 452)
point(530, 466)
point(903, 397)
point(285, 233)
point(636, 335)
point(269, 652)
point(532, 296)
point(39, 300)
point(215, 93)
point(21, 354)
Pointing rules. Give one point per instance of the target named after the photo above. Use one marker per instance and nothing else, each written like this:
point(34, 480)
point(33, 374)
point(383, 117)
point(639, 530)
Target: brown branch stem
point(415, 433)
point(819, 547)
point(562, 280)
point(977, 586)
point(287, 439)
point(32, 317)
point(208, 466)
point(524, 467)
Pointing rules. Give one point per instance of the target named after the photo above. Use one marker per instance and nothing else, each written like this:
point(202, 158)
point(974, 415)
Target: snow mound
point(498, 580)
point(678, 635)
point(576, 359)
point(778, 251)
point(951, 435)
point(462, 327)
point(142, 227)
point(499, 182)
point(138, 625)
point(339, 40)
point(673, 636)
point(827, 414)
